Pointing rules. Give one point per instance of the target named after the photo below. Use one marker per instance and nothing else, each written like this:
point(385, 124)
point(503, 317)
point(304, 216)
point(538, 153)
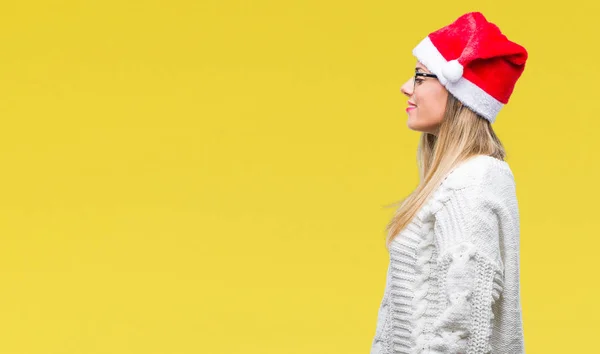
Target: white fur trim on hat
point(464, 90)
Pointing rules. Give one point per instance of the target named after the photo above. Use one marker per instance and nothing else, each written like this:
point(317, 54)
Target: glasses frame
point(422, 75)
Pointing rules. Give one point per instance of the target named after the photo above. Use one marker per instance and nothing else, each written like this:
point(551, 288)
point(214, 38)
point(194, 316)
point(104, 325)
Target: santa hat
point(475, 62)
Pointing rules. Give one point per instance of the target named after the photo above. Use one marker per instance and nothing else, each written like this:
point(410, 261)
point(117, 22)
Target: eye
point(418, 80)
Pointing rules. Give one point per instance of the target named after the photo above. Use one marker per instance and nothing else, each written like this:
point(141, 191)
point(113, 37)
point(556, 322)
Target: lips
point(411, 106)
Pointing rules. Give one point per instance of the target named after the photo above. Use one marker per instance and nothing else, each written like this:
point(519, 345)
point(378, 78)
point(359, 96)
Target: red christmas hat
point(475, 62)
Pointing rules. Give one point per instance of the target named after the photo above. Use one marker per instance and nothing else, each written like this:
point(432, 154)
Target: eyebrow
point(417, 69)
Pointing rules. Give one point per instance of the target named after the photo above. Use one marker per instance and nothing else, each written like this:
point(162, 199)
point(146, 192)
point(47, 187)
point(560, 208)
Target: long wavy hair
point(462, 134)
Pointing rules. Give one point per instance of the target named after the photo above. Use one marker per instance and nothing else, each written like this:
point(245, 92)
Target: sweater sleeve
point(469, 273)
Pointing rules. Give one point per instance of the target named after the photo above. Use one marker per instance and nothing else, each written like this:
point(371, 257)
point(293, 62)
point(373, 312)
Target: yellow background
point(210, 176)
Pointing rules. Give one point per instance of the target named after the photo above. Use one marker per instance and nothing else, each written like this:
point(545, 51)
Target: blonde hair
point(461, 135)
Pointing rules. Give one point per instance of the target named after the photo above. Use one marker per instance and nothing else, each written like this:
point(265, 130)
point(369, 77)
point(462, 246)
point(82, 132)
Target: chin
point(415, 127)
point(421, 129)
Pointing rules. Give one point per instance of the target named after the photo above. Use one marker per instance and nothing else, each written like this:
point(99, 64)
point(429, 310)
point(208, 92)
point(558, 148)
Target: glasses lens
point(414, 82)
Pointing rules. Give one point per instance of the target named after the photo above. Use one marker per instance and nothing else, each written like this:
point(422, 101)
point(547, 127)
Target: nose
point(408, 87)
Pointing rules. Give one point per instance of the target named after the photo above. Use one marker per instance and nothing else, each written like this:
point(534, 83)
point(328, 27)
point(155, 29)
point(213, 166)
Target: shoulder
point(478, 183)
point(480, 173)
point(479, 200)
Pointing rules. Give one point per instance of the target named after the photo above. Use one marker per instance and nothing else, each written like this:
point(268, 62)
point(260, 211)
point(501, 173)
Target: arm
point(470, 284)
point(469, 272)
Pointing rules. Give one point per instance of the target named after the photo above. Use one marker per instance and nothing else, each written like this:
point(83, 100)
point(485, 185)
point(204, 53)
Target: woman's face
point(427, 99)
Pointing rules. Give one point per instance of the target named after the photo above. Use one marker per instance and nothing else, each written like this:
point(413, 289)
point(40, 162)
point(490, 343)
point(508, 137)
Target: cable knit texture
point(452, 283)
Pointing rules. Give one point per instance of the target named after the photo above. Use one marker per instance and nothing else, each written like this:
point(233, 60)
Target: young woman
point(452, 284)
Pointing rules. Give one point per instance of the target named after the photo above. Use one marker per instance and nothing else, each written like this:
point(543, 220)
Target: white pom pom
point(452, 70)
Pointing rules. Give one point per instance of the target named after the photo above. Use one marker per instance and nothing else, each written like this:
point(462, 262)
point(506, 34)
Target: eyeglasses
point(422, 75)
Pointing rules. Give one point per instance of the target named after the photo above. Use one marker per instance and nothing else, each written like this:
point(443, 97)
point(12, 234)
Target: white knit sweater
point(452, 282)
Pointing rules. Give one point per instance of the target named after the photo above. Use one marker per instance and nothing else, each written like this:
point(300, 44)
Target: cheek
point(432, 105)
